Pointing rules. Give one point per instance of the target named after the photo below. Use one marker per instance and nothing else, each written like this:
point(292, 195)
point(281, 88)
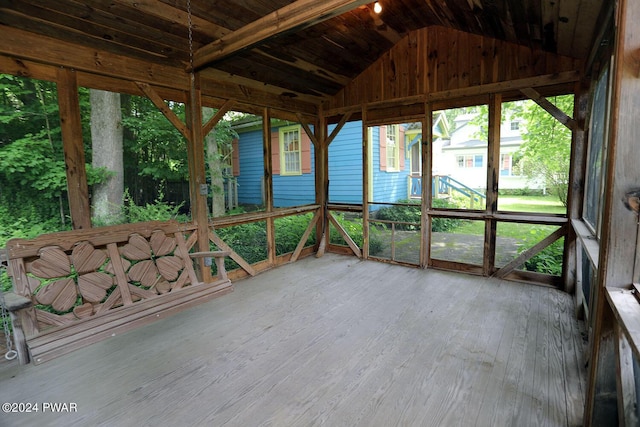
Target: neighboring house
point(395, 157)
point(464, 156)
point(293, 163)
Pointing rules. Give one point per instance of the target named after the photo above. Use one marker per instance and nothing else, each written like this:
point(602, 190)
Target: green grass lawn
point(539, 204)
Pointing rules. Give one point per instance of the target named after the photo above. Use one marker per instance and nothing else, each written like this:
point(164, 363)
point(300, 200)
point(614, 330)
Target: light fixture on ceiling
point(377, 8)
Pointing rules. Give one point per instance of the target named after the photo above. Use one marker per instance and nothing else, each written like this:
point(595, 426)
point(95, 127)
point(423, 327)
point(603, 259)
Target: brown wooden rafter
point(550, 108)
point(297, 15)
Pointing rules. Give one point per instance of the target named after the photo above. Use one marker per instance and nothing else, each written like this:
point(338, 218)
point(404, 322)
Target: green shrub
point(412, 213)
point(158, 211)
point(289, 231)
point(248, 240)
point(353, 227)
point(548, 261)
point(402, 213)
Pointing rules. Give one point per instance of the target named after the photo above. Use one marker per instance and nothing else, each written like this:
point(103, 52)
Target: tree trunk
point(215, 168)
point(106, 142)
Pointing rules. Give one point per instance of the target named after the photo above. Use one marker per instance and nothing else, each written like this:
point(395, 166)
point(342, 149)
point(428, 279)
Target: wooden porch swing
point(124, 276)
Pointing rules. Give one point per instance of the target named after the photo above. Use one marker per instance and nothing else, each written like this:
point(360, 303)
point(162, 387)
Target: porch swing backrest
point(79, 287)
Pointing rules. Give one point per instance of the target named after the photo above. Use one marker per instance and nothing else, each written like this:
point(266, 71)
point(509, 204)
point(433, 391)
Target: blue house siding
point(345, 164)
point(295, 190)
point(345, 172)
point(251, 168)
point(287, 190)
point(388, 186)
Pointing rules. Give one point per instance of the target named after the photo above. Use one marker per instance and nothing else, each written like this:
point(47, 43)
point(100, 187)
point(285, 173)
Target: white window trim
point(395, 167)
point(283, 163)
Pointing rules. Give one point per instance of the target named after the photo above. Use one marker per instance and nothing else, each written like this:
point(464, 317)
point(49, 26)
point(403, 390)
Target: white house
point(464, 156)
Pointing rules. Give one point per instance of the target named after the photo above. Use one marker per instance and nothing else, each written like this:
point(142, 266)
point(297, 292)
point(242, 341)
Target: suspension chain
point(190, 35)
point(11, 353)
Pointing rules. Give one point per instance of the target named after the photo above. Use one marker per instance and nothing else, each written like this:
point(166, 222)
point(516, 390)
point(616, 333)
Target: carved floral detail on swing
point(62, 294)
point(86, 280)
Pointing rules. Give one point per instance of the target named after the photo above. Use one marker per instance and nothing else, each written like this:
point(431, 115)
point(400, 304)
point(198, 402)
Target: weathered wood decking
point(334, 341)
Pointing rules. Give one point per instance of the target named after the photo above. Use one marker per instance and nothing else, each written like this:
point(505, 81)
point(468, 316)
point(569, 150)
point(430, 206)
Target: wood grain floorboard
point(329, 341)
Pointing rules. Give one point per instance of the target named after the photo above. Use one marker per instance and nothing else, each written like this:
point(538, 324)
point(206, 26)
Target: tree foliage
point(33, 185)
point(546, 151)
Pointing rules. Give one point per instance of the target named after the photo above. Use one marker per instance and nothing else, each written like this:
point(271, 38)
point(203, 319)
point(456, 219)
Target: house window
point(505, 164)
point(515, 125)
point(393, 147)
point(471, 161)
point(290, 153)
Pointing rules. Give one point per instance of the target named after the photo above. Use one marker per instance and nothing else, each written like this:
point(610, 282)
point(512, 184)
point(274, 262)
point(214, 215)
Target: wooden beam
point(26, 45)
point(550, 108)
point(426, 190)
point(198, 190)
point(575, 191)
point(366, 169)
point(268, 184)
point(164, 108)
point(518, 261)
point(619, 226)
point(73, 146)
point(213, 121)
point(232, 254)
point(305, 236)
point(297, 15)
point(464, 93)
point(22, 50)
point(345, 236)
point(493, 168)
point(321, 160)
point(307, 129)
point(338, 127)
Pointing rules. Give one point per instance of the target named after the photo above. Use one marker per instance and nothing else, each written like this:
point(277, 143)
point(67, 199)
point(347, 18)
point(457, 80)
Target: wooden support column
point(426, 190)
point(576, 192)
point(268, 184)
point(618, 245)
point(197, 179)
point(73, 146)
point(322, 180)
point(493, 168)
point(365, 184)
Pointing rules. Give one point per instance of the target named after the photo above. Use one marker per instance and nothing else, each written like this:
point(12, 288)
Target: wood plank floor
point(331, 341)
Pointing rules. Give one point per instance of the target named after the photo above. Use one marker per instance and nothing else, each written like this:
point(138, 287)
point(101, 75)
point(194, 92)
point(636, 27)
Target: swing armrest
point(219, 259)
point(17, 306)
point(14, 302)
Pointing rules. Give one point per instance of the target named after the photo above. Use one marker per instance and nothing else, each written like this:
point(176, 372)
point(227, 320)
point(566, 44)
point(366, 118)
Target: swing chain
point(11, 353)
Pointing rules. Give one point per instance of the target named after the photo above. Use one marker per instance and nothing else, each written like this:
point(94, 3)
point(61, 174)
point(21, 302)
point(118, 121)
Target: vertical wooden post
point(619, 225)
point(576, 192)
point(493, 160)
point(365, 184)
point(426, 191)
point(267, 150)
point(73, 147)
point(321, 165)
point(197, 179)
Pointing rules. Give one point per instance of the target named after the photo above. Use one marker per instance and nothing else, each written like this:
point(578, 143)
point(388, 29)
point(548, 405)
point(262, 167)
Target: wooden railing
point(445, 185)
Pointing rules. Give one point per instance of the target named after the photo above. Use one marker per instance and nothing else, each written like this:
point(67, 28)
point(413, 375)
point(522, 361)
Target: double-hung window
point(290, 151)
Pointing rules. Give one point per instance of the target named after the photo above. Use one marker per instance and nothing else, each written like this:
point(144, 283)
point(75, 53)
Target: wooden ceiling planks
point(550, 15)
point(455, 61)
point(97, 24)
point(312, 64)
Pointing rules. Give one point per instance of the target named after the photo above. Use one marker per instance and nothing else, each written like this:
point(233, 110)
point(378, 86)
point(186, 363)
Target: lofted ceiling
point(323, 46)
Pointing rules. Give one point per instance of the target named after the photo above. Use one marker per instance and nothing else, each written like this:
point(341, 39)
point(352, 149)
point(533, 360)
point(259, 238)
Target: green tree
point(155, 151)
point(546, 151)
